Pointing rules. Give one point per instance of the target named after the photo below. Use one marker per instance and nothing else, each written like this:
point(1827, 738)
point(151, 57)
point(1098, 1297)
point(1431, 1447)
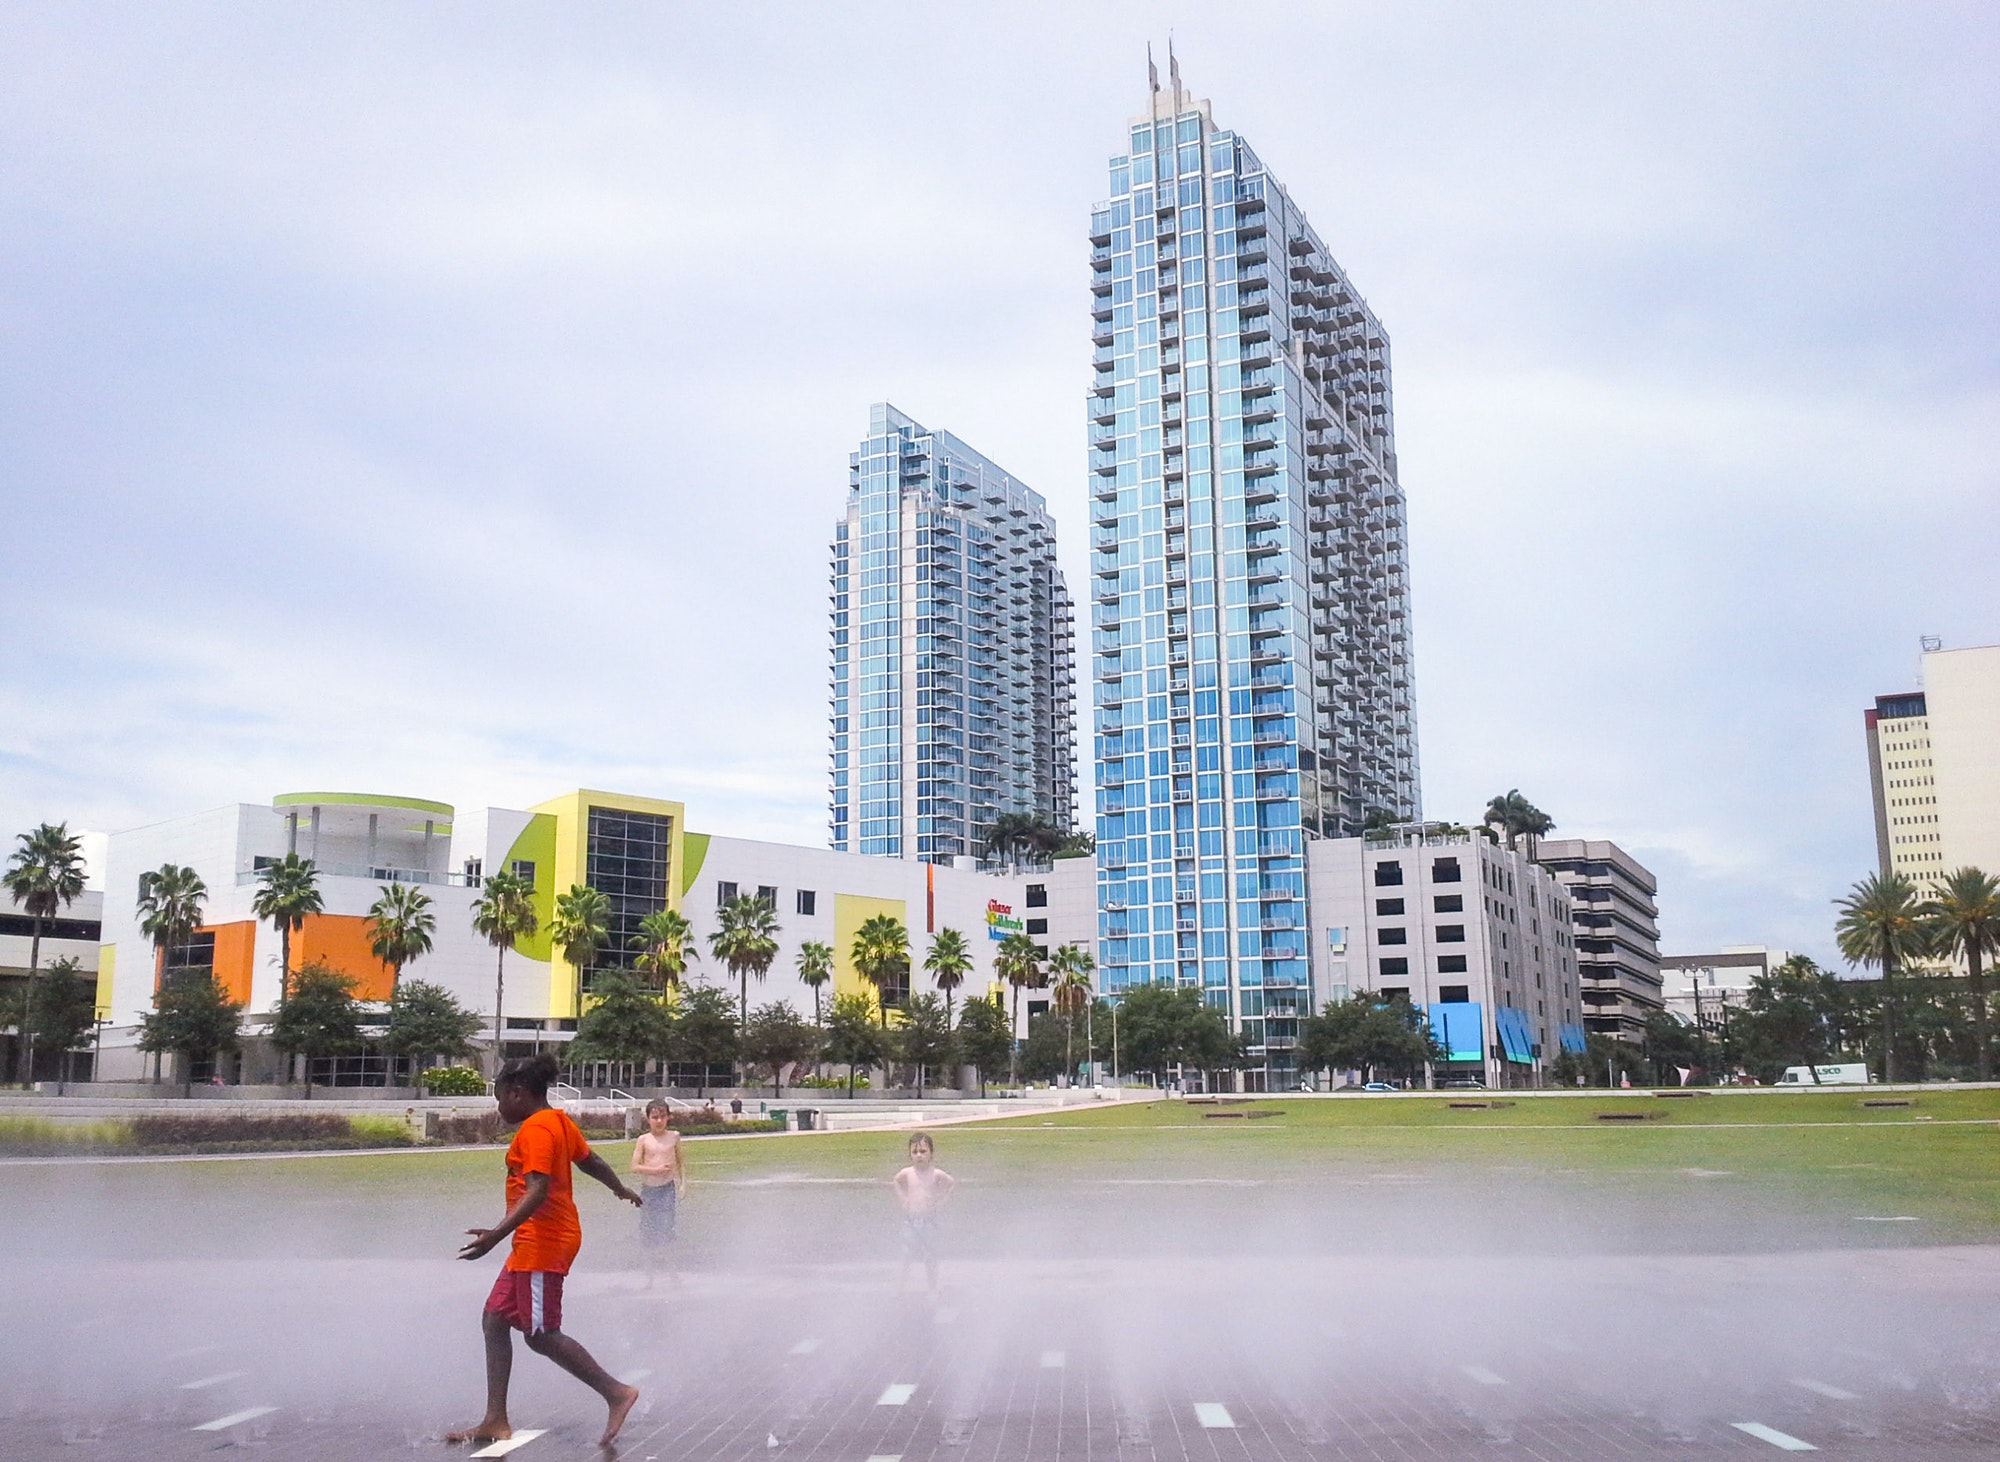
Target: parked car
point(1462, 1083)
point(1380, 1086)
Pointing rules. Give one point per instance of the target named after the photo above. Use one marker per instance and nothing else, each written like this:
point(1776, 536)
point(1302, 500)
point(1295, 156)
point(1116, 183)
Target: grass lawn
point(1731, 1170)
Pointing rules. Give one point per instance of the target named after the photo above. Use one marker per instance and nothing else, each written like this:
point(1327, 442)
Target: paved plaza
point(1865, 1354)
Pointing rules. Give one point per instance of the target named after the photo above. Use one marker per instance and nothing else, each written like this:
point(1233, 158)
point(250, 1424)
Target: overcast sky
point(454, 400)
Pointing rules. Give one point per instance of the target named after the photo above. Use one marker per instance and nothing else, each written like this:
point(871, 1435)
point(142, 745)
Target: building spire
point(1174, 72)
point(1152, 71)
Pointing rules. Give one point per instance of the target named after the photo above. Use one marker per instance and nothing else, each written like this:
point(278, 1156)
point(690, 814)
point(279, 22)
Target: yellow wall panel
point(850, 912)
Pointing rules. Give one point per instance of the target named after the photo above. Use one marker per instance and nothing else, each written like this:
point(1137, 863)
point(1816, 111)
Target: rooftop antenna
point(1152, 71)
point(1174, 71)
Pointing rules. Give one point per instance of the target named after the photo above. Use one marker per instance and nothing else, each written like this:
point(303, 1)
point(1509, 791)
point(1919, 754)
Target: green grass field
point(1730, 1170)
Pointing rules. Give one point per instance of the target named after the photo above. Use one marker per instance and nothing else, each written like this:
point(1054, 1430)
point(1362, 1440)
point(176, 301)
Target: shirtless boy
point(542, 1217)
point(656, 1158)
point(922, 1189)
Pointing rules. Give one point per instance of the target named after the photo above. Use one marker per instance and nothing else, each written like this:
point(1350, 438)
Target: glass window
point(808, 901)
point(1396, 966)
point(1392, 936)
point(1388, 906)
point(1445, 870)
point(724, 892)
point(1388, 875)
point(1449, 903)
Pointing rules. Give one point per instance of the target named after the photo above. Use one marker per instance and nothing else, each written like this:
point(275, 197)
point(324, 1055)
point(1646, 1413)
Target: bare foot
point(488, 1430)
point(621, 1405)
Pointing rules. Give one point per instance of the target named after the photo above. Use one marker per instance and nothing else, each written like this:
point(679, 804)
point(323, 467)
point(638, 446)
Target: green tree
point(1880, 925)
point(626, 1023)
point(170, 908)
point(853, 1039)
point(322, 1017)
point(777, 1036)
point(1077, 845)
point(1015, 833)
point(665, 942)
point(44, 875)
point(1674, 1045)
point(1789, 1018)
point(191, 1017)
point(503, 912)
point(1071, 967)
point(578, 928)
point(62, 1014)
point(426, 1021)
point(1019, 962)
point(1162, 1026)
point(1516, 817)
point(705, 1031)
point(984, 1038)
point(815, 969)
point(948, 963)
point(924, 1040)
point(1962, 919)
point(881, 956)
point(288, 892)
point(746, 941)
point(400, 927)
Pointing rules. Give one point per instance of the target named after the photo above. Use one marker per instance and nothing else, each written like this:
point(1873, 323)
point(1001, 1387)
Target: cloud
point(457, 400)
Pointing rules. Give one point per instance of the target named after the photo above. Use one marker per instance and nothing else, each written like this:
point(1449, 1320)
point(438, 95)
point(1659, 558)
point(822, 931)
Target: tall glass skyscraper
point(1250, 612)
point(953, 696)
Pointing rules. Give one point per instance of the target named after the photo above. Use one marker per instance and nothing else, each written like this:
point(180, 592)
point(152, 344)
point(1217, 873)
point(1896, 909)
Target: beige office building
point(1934, 767)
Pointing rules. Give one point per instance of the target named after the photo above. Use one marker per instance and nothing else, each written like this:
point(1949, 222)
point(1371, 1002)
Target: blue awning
point(1516, 1039)
point(1573, 1040)
point(1460, 1028)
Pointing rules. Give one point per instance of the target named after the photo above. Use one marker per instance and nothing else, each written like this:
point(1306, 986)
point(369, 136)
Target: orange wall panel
point(235, 957)
point(341, 941)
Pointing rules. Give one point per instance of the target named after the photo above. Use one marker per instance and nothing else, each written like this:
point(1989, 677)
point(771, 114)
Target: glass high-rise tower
point(952, 683)
point(1250, 611)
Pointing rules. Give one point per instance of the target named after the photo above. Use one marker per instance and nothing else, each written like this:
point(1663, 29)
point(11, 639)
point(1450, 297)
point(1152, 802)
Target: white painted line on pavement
point(896, 1395)
point(519, 1439)
point(1781, 1440)
point(1892, 1218)
point(1213, 1415)
point(1821, 1388)
point(806, 1346)
point(1054, 1360)
point(1484, 1376)
point(886, 1457)
point(235, 1418)
point(215, 1380)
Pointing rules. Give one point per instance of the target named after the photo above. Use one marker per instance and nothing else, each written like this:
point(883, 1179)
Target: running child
point(542, 1217)
point(922, 1189)
point(656, 1158)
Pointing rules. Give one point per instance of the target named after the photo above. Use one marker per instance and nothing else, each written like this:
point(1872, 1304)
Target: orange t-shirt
point(548, 1142)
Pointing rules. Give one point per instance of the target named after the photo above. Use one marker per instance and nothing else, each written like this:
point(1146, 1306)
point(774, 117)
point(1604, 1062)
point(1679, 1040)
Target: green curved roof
point(360, 799)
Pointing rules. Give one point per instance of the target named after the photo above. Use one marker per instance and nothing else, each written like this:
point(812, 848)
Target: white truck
point(1851, 1073)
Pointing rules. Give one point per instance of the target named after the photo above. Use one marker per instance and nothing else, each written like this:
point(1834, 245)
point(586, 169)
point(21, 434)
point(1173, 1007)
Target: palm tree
point(1072, 993)
point(504, 912)
point(45, 875)
point(1962, 917)
point(170, 909)
point(1013, 833)
point(815, 969)
point(400, 926)
point(746, 941)
point(1517, 817)
point(1879, 925)
point(881, 955)
point(1019, 963)
point(1073, 967)
point(666, 943)
point(289, 893)
point(583, 915)
point(949, 962)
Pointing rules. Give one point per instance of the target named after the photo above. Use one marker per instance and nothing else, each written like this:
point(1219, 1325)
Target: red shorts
point(528, 1299)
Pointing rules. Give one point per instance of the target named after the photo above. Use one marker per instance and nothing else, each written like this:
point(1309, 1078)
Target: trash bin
point(777, 1114)
point(808, 1119)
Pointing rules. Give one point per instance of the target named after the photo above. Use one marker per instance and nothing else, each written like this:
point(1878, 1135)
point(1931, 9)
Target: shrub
point(191, 1131)
point(382, 1131)
point(454, 1081)
point(39, 1137)
point(458, 1128)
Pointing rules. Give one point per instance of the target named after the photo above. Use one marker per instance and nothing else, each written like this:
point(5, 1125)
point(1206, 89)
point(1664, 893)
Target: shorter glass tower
point(952, 686)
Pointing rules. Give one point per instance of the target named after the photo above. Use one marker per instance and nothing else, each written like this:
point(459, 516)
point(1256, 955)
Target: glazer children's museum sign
point(1001, 920)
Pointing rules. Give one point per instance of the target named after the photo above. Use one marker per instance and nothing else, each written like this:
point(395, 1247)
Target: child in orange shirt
point(542, 1217)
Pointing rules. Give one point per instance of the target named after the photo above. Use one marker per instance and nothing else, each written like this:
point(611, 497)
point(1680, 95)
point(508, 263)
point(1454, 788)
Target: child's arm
point(945, 1182)
point(599, 1169)
point(483, 1239)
